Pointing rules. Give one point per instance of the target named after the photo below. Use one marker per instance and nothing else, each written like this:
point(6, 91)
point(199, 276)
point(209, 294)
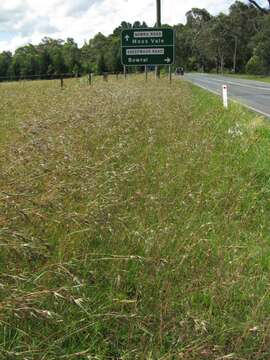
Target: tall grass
point(134, 223)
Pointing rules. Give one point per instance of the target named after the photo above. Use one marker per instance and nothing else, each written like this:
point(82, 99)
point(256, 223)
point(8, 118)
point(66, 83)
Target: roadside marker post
point(225, 96)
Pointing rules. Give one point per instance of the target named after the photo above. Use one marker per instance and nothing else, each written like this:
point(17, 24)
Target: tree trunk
point(235, 53)
point(222, 64)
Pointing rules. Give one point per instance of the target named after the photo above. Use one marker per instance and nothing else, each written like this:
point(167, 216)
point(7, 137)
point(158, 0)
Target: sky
point(28, 21)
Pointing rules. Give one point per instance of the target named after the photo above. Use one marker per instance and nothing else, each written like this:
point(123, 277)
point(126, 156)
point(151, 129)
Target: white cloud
point(24, 21)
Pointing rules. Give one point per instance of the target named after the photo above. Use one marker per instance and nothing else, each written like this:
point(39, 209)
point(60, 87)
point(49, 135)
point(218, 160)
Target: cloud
point(79, 7)
point(10, 16)
point(41, 25)
point(30, 20)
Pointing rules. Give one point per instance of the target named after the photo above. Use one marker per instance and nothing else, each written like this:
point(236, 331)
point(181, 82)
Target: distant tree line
point(237, 42)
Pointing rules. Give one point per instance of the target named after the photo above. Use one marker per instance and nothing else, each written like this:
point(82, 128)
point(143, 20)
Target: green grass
point(134, 223)
point(250, 77)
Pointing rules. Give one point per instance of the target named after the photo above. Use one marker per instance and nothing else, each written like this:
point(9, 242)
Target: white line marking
point(203, 87)
point(239, 84)
point(253, 109)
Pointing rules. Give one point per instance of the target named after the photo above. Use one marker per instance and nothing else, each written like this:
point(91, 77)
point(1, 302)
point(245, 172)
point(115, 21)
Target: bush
point(256, 66)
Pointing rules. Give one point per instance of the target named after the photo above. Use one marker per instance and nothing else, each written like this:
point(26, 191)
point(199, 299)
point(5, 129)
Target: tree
point(261, 44)
point(196, 18)
point(5, 63)
point(94, 51)
point(258, 6)
point(243, 24)
point(101, 66)
point(183, 47)
point(218, 44)
point(197, 22)
point(71, 56)
point(113, 54)
point(256, 66)
point(25, 61)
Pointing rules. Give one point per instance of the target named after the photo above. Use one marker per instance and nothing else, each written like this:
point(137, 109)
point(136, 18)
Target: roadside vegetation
point(250, 77)
point(134, 223)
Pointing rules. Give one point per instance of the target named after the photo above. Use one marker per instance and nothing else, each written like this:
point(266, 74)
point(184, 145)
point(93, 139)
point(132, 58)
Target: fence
point(89, 78)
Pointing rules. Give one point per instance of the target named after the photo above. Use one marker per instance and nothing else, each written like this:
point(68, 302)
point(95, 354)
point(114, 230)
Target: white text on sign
point(148, 34)
point(152, 51)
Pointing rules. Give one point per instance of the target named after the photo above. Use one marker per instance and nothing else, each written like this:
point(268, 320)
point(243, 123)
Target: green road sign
point(152, 46)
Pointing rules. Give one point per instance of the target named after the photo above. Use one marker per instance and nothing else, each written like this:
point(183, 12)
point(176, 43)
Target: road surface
point(253, 94)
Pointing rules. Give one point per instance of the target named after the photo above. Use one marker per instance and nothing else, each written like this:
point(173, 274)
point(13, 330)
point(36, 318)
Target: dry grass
point(134, 223)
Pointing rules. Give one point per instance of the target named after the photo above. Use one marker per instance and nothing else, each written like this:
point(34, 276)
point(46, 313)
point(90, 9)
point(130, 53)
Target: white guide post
point(225, 96)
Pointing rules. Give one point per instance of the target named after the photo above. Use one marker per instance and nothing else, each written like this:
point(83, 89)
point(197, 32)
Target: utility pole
point(158, 24)
point(158, 13)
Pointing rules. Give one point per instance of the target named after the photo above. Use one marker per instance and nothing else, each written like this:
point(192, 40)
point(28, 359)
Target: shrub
point(256, 66)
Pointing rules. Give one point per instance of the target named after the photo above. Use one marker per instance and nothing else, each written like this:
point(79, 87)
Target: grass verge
point(134, 223)
point(250, 77)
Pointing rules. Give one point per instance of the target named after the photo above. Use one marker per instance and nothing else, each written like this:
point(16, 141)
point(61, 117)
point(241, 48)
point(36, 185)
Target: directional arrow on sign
point(167, 60)
point(127, 37)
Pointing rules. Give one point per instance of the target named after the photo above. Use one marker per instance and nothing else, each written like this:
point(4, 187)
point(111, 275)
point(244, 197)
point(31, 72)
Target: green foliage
point(54, 57)
point(219, 42)
point(101, 66)
point(256, 66)
point(5, 62)
point(261, 43)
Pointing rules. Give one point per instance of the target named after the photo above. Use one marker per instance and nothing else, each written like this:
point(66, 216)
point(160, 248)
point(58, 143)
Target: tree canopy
point(236, 42)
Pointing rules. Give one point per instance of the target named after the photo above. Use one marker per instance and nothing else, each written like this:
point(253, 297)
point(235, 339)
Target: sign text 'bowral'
point(152, 46)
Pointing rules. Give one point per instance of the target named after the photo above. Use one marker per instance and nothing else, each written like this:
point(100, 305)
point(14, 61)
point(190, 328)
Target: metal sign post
point(62, 82)
point(158, 25)
point(170, 73)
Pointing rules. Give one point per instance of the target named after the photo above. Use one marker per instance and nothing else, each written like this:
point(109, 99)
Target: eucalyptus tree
point(244, 23)
point(197, 21)
point(264, 10)
point(260, 62)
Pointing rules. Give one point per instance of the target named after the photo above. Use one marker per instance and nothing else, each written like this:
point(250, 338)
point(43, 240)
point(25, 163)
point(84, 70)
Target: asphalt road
point(253, 94)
